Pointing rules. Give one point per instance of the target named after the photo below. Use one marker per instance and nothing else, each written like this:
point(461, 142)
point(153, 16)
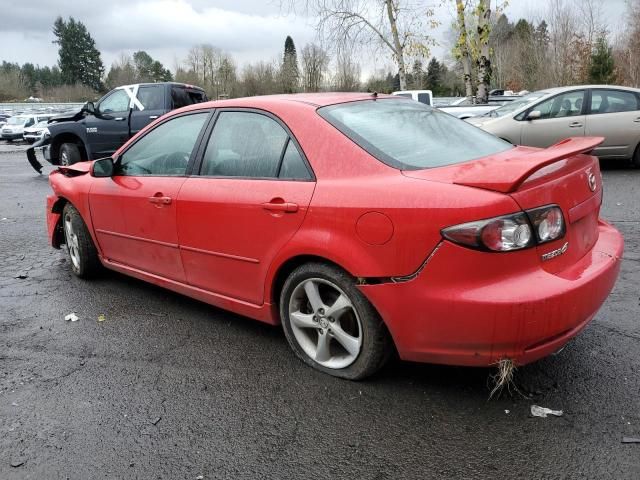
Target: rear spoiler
point(513, 172)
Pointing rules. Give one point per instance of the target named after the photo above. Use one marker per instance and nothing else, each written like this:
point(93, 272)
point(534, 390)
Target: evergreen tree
point(602, 64)
point(79, 59)
point(417, 76)
point(435, 73)
point(290, 73)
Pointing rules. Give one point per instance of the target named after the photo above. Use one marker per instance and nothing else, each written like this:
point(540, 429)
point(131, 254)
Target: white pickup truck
point(462, 108)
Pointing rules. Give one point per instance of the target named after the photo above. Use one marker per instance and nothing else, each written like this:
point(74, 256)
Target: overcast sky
point(250, 30)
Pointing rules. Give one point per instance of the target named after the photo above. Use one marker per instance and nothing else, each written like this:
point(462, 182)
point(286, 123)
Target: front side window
point(565, 105)
point(165, 150)
point(411, 135)
point(245, 144)
point(612, 101)
point(117, 102)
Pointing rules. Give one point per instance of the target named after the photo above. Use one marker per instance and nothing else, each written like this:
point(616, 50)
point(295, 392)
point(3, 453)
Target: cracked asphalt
point(168, 387)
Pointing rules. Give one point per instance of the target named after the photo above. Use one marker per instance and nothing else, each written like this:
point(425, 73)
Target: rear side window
point(245, 144)
point(612, 101)
point(151, 97)
point(424, 98)
point(293, 166)
point(411, 135)
point(181, 97)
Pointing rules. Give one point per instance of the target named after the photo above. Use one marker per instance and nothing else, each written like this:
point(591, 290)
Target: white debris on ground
point(72, 317)
point(537, 411)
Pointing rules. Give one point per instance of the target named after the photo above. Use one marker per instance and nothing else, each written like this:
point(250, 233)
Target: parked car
point(35, 132)
point(14, 128)
point(422, 96)
point(98, 130)
point(465, 107)
point(543, 118)
point(359, 222)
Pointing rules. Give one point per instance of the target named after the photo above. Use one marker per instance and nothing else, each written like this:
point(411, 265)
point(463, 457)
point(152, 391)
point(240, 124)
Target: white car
point(14, 128)
point(422, 96)
point(35, 132)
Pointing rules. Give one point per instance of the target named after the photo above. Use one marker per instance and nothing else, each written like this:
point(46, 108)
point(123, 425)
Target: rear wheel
point(82, 251)
point(330, 324)
point(635, 160)
point(69, 154)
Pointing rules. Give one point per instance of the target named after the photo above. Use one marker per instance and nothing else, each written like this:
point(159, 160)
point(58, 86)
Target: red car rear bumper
point(464, 309)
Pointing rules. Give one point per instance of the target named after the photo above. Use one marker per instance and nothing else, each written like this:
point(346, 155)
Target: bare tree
point(347, 72)
point(396, 26)
point(462, 47)
point(315, 62)
point(483, 62)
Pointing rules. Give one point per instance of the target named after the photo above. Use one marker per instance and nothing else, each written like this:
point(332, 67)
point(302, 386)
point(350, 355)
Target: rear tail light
point(510, 232)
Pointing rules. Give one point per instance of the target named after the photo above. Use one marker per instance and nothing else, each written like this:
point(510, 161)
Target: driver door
point(561, 117)
point(108, 128)
point(134, 212)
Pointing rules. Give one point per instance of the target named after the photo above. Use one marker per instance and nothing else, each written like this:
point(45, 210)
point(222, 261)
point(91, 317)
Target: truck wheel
point(82, 251)
point(69, 154)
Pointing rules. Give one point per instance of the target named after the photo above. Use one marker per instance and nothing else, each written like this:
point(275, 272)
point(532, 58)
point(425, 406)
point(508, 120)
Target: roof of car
point(575, 87)
point(314, 100)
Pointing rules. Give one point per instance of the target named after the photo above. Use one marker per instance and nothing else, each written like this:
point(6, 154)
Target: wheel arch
point(67, 137)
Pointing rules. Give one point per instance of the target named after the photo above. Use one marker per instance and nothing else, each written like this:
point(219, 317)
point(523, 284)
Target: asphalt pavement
point(151, 384)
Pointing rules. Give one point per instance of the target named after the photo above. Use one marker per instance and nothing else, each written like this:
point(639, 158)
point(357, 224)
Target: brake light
point(510, 232)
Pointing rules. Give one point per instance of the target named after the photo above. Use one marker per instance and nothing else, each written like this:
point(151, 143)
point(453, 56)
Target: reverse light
point(510, 232)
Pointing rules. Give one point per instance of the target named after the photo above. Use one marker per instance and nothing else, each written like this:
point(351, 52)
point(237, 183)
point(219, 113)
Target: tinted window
point(244, 144)
point(611, 101)
point(424, 98)
point(410, 135)
point(565, 105)
point(181, 97)
point(293, 165)
point(151, 97)
point(118, 101)
point(165, 150)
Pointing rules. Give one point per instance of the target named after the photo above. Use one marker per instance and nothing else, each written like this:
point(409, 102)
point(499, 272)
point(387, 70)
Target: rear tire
point(635, 160)
point(348, 341)
point(80, 247)
point(69, 154)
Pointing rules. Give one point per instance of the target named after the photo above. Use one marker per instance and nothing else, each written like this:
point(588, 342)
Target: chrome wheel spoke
point(303, 320)
point(341, 303)
point(322, 349)
point(311, 289)
point(351, 344)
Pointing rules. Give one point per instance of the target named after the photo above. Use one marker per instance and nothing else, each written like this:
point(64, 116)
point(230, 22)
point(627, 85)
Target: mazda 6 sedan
point(362, 223)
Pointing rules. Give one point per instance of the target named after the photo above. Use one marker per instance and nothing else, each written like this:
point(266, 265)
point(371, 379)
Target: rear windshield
point(410, 135)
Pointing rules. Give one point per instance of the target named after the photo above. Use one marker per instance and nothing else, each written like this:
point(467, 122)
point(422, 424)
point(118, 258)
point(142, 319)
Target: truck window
point(424, 98)
point(181, 97)
point(151, 97)
point(115, 102)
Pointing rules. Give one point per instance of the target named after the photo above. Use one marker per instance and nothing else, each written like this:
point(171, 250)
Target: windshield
point(516, 104)
point(410, 135)
point(17, 121)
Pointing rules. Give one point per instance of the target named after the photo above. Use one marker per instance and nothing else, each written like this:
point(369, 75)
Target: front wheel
point(82, 251)
point(69, 154)
point(635, 160)
point(331, 325)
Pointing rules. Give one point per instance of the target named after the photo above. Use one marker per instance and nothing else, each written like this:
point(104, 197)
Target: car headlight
point(46, 133)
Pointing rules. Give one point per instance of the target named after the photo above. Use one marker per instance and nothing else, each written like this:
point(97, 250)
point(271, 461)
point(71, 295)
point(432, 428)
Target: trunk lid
point(561, 174)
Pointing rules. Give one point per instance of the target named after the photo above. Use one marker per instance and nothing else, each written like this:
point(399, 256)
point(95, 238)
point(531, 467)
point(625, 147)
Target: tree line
point(566, 42)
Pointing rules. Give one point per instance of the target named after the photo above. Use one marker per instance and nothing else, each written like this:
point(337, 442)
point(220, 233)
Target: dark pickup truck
point(97, 131)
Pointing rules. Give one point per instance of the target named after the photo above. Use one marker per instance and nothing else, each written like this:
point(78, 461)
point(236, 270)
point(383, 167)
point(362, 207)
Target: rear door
point(134, 212)
point(250, 198)
point(615, 115)
point(150, 105)
point(561, 117)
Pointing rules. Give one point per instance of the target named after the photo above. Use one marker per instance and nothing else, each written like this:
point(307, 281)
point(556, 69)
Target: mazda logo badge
point(591, 180)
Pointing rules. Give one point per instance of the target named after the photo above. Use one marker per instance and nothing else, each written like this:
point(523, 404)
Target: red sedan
point(362, 223)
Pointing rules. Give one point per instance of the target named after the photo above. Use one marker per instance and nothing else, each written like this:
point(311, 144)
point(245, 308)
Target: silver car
point(543, 118)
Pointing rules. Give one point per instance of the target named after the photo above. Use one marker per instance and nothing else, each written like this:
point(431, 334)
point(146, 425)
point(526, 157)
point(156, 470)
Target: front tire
point(69, 154)
point(635, 160)
point(331, 325)
point(82, 251)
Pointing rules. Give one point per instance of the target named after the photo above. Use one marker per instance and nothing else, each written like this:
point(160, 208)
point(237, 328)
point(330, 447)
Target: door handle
point(158, 199)
point(153, 117)
point(119, 119)
point(276, 206)
point(575, 125)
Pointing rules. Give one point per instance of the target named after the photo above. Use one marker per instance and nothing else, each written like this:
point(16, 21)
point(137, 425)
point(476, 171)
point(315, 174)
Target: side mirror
point(534, 114)
point(89, 107)
point(102, 167)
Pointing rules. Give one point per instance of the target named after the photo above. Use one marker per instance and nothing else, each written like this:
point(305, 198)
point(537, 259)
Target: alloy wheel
point(325, 323)
point(72, 241)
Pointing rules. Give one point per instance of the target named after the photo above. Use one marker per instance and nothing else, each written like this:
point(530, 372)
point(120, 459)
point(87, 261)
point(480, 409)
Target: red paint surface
point(220, 241)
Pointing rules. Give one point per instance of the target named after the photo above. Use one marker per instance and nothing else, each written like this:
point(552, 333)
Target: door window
point(565, 105)
point(165, 150)
point(611, 101)
point(118, 101)
point(293, 166)
point(151, 97)
point(245, 144)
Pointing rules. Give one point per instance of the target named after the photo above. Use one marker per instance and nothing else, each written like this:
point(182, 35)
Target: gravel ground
point(168, 387)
